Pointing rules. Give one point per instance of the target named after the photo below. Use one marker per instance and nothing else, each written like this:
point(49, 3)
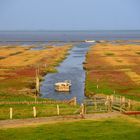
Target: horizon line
point(44, 30)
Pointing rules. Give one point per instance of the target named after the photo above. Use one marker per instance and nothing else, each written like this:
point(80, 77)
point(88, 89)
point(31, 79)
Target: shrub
point(109, 54)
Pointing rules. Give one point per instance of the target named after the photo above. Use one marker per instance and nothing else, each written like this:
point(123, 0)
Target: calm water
point(70, 69)
point(45, 36)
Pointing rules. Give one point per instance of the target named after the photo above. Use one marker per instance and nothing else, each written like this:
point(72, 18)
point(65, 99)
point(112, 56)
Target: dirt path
point(55, 119)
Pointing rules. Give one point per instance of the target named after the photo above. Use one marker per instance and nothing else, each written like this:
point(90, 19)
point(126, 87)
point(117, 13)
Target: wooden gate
point(107, 103)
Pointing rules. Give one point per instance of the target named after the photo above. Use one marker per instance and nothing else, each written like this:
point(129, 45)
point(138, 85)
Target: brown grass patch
point(116, 66)
point(17, 69)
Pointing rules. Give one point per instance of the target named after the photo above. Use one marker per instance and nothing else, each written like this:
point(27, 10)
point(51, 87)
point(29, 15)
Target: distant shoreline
point(68, 30)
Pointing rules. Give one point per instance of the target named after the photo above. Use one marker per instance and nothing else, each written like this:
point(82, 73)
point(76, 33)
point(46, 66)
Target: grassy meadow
point(114, 68)
point(123, 128)
point(23, 111)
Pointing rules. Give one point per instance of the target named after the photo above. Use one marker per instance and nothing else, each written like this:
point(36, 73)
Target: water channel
point(70, 69)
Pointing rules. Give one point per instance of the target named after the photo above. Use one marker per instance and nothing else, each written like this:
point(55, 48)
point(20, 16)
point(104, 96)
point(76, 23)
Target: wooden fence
point(58, 110)
point(34, 112)
point(107, 104)
point(72, 101)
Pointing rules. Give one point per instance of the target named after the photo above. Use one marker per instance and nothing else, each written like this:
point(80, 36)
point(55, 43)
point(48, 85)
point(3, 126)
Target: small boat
point(63, 86)
point(90, 41)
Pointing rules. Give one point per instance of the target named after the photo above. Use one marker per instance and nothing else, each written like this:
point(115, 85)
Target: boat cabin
point(63, 86)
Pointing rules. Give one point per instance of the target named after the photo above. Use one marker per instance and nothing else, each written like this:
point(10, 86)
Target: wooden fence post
point(114, 92)
point(34, 111)
point(107, 97)
point(112, 98)
point(37, 82)
point(75, 101)
point(120, 100)
point(129, 104)
point(82, 110)
point(11, 113)
point(95, 104)
point(97, 86)
point(123, 101)
point(45, 65)
point(110, 104)
point(58, 110)
point(107, 103)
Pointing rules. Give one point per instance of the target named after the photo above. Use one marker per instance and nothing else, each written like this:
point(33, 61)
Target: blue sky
point(69, 14)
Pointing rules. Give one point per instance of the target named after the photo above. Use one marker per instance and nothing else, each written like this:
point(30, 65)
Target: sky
point(69, 14)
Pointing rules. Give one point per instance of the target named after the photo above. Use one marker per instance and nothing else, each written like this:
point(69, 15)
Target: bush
point(109, 54)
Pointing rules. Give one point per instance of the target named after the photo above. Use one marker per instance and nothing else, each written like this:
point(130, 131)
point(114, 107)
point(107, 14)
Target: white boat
point(90, 41)
point(63, 86)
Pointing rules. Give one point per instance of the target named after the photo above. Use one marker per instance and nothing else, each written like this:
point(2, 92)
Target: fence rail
point(33, 111)
point(29, 109)
point(107, 103)
point(71, 102)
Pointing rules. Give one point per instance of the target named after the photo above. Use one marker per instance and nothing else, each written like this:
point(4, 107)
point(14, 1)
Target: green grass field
point(105, 88)
point(111, 129)
point(43, 110)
